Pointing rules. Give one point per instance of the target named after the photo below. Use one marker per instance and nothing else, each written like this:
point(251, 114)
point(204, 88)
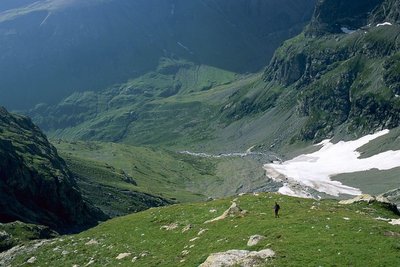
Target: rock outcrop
point(370, 199)
point(365, 197)
point(35, 184)
point(233, 210)
point(241, 258)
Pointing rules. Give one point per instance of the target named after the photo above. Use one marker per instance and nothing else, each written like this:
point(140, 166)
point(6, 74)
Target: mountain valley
point(172, 148)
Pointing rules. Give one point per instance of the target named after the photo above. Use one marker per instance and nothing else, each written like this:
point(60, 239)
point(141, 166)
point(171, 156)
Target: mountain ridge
point(55, 50)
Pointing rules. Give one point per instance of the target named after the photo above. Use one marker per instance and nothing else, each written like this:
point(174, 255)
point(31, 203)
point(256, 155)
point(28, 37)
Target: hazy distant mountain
point(50, 48)
point(340, 76)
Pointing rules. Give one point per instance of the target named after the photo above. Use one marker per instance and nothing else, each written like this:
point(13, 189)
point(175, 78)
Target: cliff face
point(389, 10)
point(35, 184)
point(344, 68)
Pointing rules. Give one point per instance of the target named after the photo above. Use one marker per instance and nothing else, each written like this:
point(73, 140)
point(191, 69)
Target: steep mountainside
point(348, 78)
point(35, 184)
point(52, 48)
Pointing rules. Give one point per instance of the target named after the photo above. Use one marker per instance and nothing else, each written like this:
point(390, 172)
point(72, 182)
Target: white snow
point(347, 30)
point(384, 24)
point(314, 170)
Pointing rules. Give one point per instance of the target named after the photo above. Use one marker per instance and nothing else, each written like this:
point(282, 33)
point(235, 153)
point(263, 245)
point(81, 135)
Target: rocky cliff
point(35, 184)
point(344, 68)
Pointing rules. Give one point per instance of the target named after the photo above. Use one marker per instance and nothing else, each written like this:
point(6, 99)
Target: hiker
point(276, 209)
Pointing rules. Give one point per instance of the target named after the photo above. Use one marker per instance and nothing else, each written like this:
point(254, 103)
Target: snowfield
point(315, 170)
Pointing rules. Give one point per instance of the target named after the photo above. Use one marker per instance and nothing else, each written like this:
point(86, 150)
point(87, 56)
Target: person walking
point(276, 209)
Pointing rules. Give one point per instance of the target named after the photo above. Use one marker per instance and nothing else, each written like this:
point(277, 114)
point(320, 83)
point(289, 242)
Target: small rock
point(194, 239)
point(395, 222)
point(90, 262)
point(254, 240)
point(92, 242)
point(187, 228)
point(212, 210)
point(202, 231)
point(383, 199)
point(4, 235)
point(64, 252)
point(123, 255)
point(31, 260)
point(382, 219)
point(185, 252)
point(169, 227)
point(392, 234)
point(346, 218)
point(144, 254)
point(134, 259)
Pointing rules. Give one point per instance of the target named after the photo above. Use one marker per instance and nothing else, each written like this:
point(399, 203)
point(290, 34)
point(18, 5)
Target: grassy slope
point(211, 120)
point(158, 108)
point(303, 236)
point(155, 172)
point(110, 189)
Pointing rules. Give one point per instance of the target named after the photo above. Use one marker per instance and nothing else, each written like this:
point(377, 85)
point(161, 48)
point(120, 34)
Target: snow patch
point(384, 24)
point(315, 170)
